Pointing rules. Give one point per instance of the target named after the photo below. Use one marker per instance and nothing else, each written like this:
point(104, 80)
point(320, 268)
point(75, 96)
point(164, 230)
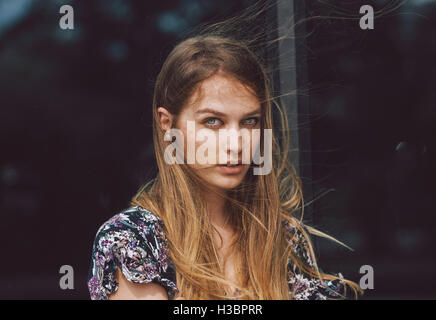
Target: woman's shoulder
point(132, 221)
point(132, 216)
point(134, 225)
point(294, 233)
point(303, 286)
point(133, 240)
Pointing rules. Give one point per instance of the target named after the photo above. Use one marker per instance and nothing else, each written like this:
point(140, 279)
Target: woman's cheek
point(255, 143)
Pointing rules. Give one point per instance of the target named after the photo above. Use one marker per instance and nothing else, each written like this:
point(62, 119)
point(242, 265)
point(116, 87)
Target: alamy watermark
point(367, 20)
point(367, 280)
point(67, 280)
point(207, 152)
point(66, 22)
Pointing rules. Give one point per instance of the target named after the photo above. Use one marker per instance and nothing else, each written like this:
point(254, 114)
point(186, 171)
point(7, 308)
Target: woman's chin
point(223, 180)
point(226, 183)
point(228, 186)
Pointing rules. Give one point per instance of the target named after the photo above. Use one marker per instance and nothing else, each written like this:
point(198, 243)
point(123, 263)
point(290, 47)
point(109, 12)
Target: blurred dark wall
point(372, 126)
point(76, 133)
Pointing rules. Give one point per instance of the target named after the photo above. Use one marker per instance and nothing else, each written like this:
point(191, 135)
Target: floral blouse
point(134, 241)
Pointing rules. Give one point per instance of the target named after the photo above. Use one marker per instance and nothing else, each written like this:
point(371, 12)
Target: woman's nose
point(233, 141)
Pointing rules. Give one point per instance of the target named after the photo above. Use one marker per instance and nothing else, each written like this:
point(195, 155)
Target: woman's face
point(221, 102)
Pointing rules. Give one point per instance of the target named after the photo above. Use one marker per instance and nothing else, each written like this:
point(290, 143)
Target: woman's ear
point(165, 118)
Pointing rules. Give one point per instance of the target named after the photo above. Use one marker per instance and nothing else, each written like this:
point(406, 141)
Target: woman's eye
point(212, 122)
point(251, 121)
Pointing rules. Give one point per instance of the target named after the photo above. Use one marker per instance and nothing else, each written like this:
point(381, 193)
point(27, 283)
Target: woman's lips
point(231, 170)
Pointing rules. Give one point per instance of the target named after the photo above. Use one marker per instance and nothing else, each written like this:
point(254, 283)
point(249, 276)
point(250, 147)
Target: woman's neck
point(216, 209)
point(223, 235)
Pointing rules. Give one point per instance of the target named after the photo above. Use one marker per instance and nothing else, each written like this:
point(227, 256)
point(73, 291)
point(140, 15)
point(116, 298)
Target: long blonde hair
point(258, 208)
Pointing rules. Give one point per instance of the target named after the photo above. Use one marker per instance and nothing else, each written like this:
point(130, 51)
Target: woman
point(205, 230)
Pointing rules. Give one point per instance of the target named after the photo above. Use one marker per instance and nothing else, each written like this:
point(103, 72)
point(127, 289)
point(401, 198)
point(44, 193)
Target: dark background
point(75, 123)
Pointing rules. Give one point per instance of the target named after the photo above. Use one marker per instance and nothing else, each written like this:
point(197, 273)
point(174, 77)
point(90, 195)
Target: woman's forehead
point(224, 92)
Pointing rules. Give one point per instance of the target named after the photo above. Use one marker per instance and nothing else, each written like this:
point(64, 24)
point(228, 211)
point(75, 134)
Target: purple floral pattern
point(134, 241)
point(302, 286)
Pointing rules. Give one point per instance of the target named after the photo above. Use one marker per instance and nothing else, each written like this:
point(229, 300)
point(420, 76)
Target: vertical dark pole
point(287, 76)
point(290, 77)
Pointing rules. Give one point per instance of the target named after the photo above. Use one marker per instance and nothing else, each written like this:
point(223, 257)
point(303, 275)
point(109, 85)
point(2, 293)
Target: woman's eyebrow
point(252, 113)
point(208, 110)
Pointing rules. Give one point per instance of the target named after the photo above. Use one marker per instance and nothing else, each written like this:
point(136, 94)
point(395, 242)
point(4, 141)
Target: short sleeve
point(132, 240)
point(302, 286)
